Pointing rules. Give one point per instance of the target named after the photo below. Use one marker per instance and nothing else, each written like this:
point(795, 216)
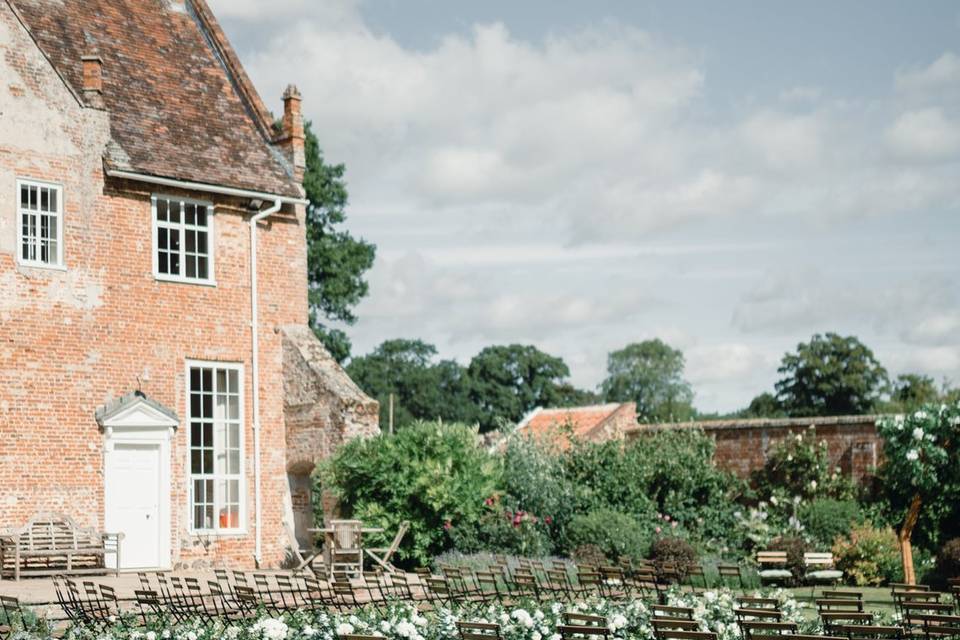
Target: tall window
point(40, 225)
point(215, 447)
point(183, 232)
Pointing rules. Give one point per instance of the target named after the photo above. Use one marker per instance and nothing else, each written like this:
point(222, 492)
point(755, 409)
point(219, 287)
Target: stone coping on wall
point(755, 423)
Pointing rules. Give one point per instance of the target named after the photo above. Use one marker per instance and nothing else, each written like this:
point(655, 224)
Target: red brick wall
point(72, 339)
point(744, 446)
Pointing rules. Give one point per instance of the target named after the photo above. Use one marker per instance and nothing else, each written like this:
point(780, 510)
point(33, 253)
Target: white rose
point(918, 434)
point(344, 629)
point(913, 455)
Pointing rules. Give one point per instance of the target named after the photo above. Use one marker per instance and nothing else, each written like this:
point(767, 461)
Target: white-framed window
point(39, 224)
point(182, 239)
point(215, 418)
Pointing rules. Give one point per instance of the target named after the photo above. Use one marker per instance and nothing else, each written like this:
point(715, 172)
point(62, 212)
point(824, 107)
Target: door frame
point(144, 426)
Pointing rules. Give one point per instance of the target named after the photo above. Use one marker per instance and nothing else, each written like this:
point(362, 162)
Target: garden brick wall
point(744, 445)
point(73, 339)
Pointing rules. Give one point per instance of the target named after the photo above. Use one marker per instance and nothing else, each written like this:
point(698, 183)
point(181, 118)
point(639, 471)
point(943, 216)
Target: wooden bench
point(51, 544)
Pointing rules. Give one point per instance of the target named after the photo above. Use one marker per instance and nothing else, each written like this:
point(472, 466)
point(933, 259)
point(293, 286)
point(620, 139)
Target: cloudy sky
point(731, 177)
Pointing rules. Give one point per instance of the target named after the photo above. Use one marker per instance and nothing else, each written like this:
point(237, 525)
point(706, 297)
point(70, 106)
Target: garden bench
point(53, 544)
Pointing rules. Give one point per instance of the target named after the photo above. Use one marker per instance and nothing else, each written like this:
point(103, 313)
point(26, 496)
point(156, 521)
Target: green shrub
point(670, 472)
point(590, 555)
point(504, 528)
point(869, 556)
point(616, 534)
point(437, 476)
point(824, 519)
point(675, 551)
point(534, 479)
point(795, 547)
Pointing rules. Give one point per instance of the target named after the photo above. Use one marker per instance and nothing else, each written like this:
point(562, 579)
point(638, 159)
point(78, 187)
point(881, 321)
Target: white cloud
point(925, 133)
point(554, 190)
point(944, 72)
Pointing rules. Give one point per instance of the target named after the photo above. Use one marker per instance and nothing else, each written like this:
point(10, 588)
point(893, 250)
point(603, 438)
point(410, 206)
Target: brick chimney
point(93, 80)
point(291, 131)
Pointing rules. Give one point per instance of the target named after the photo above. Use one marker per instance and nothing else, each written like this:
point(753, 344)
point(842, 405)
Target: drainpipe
point(255, 373)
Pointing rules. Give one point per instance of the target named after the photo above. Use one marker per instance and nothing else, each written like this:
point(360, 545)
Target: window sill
point(159, 277)
point(41, 265)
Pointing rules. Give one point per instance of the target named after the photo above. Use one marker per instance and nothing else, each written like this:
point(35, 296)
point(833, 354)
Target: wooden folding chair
point(749, 627)
point(936, 626)
point(833, 621)
point(872, 632)
point(664, 611)
point(11, 617)
point(581, 632)
point(479, 631)
point(730, 573)
point(664, 625)
point(676, 634)
point(383, 555)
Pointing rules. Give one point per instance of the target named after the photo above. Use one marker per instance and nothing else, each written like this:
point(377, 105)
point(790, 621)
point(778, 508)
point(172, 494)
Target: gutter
point(278, 202)
point(205, 187)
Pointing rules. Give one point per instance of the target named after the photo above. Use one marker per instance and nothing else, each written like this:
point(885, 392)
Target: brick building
point(744, 445)
point(156, 373)
point(595, 423)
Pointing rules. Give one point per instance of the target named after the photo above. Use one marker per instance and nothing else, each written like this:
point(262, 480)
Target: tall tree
point(336, 261)
point(910, 390)
point(764, 405)
point(830, 375)
point(508, 381)
point(649, 373)
point(422, 389)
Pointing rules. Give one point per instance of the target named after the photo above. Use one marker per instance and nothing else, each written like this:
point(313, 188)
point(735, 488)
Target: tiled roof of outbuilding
point(180, 104)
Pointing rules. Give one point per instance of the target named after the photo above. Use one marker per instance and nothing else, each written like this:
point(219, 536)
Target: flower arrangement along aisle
point(630, 620)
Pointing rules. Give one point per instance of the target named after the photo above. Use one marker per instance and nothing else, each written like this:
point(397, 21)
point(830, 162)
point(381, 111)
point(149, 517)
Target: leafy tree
point(911, 390)
point(649, 373)
point(422, 389)
point(830, 375)
point(336, 261)
point(921, 469)
point(508, 381)
point(764, 405)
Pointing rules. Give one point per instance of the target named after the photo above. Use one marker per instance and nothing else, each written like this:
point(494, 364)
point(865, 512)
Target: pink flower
point(657, 529)
point(548, 520)
point(674, 524)
point(666, 518)
point(447, 525)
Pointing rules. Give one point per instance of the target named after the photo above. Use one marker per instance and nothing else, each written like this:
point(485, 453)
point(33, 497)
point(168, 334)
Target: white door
point(132, 496)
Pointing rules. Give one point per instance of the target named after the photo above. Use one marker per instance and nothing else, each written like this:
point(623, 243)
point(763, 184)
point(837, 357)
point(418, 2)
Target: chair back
point(478, 631)
point(583, 619)
point(568, 631)
point(346, 534)
point(663, 611)
point(776, 558)
point(818, 560)
point(882, 632)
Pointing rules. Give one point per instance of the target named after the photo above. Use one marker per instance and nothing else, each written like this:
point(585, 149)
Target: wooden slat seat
point(51, 544)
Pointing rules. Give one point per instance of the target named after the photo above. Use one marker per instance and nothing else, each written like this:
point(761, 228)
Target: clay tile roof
point(180, 105)
point(580, 422)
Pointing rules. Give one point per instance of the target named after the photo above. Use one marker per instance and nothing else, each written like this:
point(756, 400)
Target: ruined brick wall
point(72, 339)
point(323, 409)
point(743, 446)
